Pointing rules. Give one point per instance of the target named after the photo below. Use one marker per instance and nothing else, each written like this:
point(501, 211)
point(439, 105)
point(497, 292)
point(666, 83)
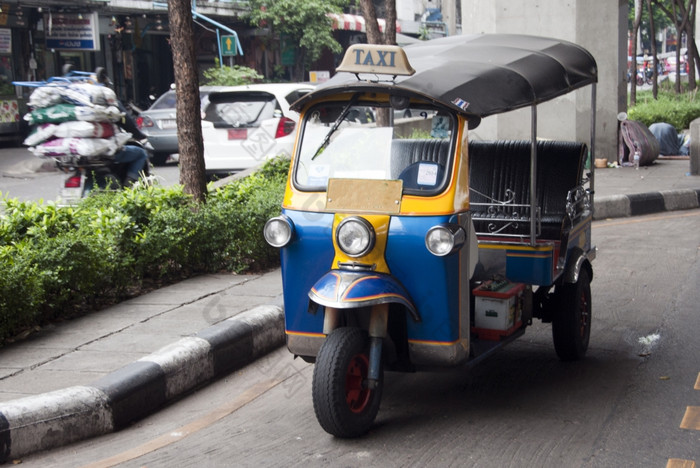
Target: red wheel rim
point(583, 308)
point(356, 394)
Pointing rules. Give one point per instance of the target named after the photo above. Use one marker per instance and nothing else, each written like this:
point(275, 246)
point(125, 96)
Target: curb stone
point(622, 206)
point(54, 419)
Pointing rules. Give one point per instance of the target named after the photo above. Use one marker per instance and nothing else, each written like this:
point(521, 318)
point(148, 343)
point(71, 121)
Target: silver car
point(159, 125)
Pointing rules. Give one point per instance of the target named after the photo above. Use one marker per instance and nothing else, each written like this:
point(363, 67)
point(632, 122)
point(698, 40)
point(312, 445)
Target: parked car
point(245, 125)
point(158, 123)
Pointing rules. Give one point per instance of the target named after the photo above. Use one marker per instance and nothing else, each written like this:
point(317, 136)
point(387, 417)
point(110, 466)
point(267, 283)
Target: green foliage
point(230, 76)
point(661, 20)
point(58, 261)
point(304, 21)
point(678, 110)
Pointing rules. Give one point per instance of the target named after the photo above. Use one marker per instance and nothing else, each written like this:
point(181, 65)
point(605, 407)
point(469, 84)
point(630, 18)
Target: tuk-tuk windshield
point(342, 140)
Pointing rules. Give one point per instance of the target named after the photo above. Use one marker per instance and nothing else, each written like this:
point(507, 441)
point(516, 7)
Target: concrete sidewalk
point(98, 373)
point(665, 185)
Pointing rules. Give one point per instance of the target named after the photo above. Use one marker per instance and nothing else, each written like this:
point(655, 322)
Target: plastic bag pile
point(75, 119)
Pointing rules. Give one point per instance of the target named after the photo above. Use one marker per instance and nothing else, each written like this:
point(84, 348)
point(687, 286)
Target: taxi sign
point(376, 58)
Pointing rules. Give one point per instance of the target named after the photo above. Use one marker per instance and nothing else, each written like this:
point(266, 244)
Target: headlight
point(278, 231)
point(444, 239)
point(355, 236)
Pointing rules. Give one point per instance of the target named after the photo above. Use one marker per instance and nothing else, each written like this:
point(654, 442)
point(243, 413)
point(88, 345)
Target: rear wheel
point(159, 158)
point(106, 181)
point(343, 403)
point(571, 324)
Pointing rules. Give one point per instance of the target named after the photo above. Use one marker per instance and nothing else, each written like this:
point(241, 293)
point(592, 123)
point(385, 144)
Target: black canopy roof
point(481, 75)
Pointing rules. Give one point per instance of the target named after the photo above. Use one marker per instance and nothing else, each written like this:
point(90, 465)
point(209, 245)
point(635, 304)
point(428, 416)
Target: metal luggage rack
point(504, 214)
point(71, 161)
point(69, 76)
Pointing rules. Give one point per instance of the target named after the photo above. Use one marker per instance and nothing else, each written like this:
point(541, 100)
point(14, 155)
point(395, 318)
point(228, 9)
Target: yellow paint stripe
point(544, 255)
point(678, 463)
point(178, 434)
point(434, 343)
point(691, 420)
point(697, 383)
point(529, 248)
point(311, 335)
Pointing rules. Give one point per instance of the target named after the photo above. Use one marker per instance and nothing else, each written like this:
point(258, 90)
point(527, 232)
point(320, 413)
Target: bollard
point(695, 147)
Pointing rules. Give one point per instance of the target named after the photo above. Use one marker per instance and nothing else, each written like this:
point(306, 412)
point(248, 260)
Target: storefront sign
point(5, 41)
point(319, 76)
point(72, 31)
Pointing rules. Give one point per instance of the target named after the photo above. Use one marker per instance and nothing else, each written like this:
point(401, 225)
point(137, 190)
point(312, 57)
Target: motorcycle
point(88, 173)
point(75, 119)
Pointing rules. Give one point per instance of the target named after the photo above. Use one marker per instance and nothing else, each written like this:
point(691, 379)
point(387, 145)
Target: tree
point(635, 30)
point(683, 18)
point(374, 36)
point(655, 58)
point(304, 22)
point(369, 12)
point(187, 107)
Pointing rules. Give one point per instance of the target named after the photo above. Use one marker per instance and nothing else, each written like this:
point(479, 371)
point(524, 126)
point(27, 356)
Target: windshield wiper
point(336, 124)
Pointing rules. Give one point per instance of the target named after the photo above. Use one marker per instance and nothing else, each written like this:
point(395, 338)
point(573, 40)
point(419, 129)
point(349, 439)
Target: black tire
point(343, 405)
point(571, 324)
point(159, 158)
point(106, 181)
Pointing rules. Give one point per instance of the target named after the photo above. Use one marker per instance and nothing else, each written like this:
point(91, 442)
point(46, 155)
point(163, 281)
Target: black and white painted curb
point(620, 206)
point(137, 390)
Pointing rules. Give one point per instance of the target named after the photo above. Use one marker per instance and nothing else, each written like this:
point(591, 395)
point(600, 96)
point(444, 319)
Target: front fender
point(343, 289)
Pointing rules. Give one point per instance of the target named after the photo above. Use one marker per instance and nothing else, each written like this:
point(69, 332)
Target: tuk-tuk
point(405, 246)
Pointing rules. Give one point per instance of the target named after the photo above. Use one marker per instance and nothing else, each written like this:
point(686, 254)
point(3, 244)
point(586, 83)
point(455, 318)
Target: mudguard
point(343, 289)
point(576, 260)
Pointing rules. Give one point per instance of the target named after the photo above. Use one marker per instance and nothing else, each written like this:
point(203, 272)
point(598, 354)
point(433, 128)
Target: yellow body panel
point(380, 223)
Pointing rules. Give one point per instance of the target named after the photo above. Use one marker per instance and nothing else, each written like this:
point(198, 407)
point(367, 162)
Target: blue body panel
point(432, 282)
point(530, 267)
point(306, 259)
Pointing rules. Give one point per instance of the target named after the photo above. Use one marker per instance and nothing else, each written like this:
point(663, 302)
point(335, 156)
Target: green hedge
point(62, 261)
point(678, 110)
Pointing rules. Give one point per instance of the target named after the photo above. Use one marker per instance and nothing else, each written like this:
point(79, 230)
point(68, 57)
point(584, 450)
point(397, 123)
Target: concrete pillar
point(598, 25)
point(695, 147)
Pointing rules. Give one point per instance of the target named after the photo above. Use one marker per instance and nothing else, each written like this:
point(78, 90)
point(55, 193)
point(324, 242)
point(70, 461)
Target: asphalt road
point(621, 406)
point(23, 176)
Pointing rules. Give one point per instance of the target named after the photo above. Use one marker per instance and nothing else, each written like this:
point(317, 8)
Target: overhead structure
point(219, 27)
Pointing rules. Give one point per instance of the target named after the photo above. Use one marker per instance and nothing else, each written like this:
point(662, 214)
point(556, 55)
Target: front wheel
point(343, 403)
point(571, 324)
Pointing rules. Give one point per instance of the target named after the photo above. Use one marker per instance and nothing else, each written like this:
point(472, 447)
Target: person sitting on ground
point(670, 142)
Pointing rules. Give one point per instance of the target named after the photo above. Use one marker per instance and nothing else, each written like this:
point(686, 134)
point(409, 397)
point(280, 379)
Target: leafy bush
point(678, 110)
point(59, 261)
point(230, 76)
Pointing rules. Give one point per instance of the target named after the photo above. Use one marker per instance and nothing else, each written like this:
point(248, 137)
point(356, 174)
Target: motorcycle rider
point(134, 156)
